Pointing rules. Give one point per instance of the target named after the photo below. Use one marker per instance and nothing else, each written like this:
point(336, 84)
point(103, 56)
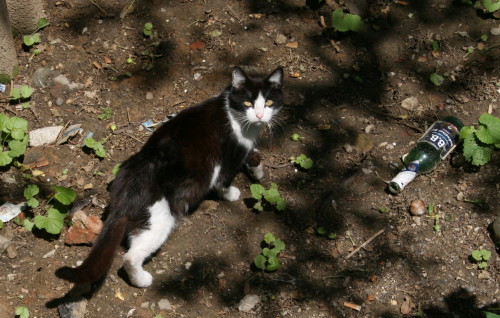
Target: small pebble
point(280, 39)
point(149, 96)
point(164, 304)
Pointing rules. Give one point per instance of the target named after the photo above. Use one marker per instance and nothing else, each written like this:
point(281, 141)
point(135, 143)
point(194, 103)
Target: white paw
point(230, 194)
point(141, 279)
point(257, 172)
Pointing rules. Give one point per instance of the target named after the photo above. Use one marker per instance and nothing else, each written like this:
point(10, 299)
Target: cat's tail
point(101, 256)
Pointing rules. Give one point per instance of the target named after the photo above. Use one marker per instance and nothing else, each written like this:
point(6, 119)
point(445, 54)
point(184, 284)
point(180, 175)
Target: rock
point(363, 143)
point(75, 309)
point(248, 303)
point(11, 251)
point(44, 136)
point(484, 275)
point(280, 39)
point(495, 31)
point(84, 229)
point(4, 243)
point(149, 96)
point(164, 304)
point(495, 230)
point(410, 103)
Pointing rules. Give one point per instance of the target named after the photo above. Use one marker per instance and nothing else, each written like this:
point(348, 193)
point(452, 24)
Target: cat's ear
point(239, 77)
point(276, 77)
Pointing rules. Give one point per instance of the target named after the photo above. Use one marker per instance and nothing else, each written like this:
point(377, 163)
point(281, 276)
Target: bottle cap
point(401, 181)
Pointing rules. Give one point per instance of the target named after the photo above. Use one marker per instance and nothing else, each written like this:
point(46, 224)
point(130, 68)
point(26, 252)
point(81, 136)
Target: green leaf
point(493, 124)
point(485, 136)
point(260, 261)
point(491, 5)
point(1, 224)
point(295, 137)
point(52, 223)
point(278, 245)
point(22, 312)
point(5, 124)
point(482, 265)
point(466, 131)
point(15, 93)
point(436, 79)
point(258, 206)
point(321, 230)
point(19, 127)
point(5, 159)
point(272, 195)
point(490, 315)
point(273, 264)
point(64, 195)
point(89, 142)
point(148, 26)
point(32, 202)
point(269, 238)
point(26, 91)
point(215, 33)
point(281, 205)
point(17, 148)
point(31, 190)
point(28, 40)
point(269, 252)
point(476, 255)
point(257, 190)
point(344, 22)
point(28, 225)
point(42, 23)
point(116, 168)
point(332, 235)
point(481, 156)
point(486, 254)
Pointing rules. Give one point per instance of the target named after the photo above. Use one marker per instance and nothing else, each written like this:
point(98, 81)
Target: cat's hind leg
point(146, 242)
point(230, 193)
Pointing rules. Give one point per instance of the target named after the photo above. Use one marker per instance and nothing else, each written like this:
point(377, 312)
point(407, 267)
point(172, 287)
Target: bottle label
point(443, 136)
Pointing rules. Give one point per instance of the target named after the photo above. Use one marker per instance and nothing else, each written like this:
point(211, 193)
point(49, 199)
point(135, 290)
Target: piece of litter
point(49, 254)
point(8, 211)
point(352, 306)
point(69, 132)
point(2, 88)
point(150, 124)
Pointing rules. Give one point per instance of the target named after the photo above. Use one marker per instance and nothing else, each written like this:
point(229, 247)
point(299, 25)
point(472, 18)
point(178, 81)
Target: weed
point(22, 312)
point(268, 259)
point(481, 257)
point(303, 161)
point(106, 114)
point(13, 138)
point(116, 168)
point(436, 79)
point(324, 232)
point(490, 315)
point(271, 196)
point(53, 221)
point(296, 137)
point(96, 146)
point(1, 224)
point(344, 22)
point(479, 143)
point(147, 30)
point(21, 95)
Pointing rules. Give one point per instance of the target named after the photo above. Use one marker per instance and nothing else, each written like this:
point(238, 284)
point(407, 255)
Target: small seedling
point(1, 224)
point(53, 221)
point(436, 79)
point(106, 114)
point(21, 95)
point(479, 143)
point(31, 39)
point(469, 50)
point(344, 22)
point(271, 196)
point(303, 161)
point(268, 260)
point(13, 138)
point(484, 37)
point(296, 137)
point(22, 312)
point(324, 232)
point(436, 45)
point(116, 168)
point(96, 146)
point(147, 29)
point(481, 257)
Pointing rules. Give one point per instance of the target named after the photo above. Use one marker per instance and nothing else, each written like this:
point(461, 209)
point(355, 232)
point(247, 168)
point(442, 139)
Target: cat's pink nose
point(259, 115)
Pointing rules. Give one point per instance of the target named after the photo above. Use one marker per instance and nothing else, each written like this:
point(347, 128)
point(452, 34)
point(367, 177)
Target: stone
point(164, 304)
point(149, 96)
point(44, 136)
point(248, 303)
point(76, 309)
point(410, 103)
point(84, 229)
point(280, 39)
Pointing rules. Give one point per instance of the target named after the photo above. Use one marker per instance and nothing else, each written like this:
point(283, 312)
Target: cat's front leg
point(230, 193)
point(254, 165)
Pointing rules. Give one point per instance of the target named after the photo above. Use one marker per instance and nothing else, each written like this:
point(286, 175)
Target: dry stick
point(365, 243)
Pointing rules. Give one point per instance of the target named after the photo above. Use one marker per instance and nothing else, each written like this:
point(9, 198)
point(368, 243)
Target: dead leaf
point(119, 295)
point(407, 306)
point(295, 75)
point(97, 65)
point(197, 45)
point(292, 45)
point(323, 127)
point(370, 297)
point(107, 60)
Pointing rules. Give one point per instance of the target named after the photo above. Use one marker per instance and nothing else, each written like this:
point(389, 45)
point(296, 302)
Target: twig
point(279, 166)
point(352, 306)
point(234, 13)
point(365, 243)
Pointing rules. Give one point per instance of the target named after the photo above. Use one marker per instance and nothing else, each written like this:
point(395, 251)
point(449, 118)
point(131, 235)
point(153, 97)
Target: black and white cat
point(199, 150)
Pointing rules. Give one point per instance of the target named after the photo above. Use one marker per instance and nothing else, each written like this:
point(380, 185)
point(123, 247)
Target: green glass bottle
point(437, 142)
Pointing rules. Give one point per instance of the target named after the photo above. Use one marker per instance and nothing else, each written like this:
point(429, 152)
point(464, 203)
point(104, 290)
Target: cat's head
point(255, 100)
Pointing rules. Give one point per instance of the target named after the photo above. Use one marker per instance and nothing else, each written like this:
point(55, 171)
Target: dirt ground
point(344, 95)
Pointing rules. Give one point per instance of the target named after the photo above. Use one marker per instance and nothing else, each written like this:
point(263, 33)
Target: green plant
point(106, 114)
point(29, 193)
point(481, 257)
point(344, 22)
point(115, 169)
point(147, 30)
point(479, 143)
point(324, 232)
point(31, 39)
point(1, 224)
point(268, 259)
point(271, 196)
point(490, 315)
point(296, 137)
point(22, 312)
point(21, 95)
point(96, 146)
point(13, 138)
point(436, 79)
point(303, 161)
point(53, 221)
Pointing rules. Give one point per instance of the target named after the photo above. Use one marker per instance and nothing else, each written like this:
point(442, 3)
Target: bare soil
point(344, 95)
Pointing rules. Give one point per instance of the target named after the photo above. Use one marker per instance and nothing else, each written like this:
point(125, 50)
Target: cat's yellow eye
point(248, 104)
point(269, 102)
